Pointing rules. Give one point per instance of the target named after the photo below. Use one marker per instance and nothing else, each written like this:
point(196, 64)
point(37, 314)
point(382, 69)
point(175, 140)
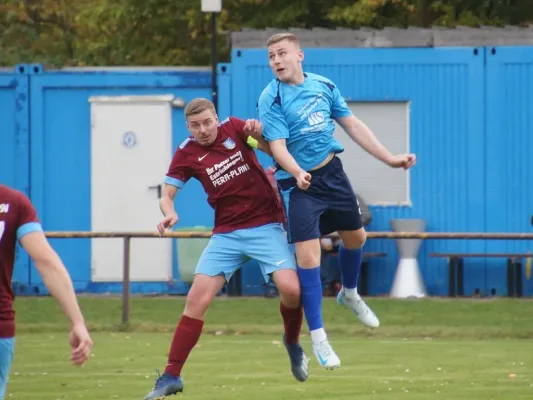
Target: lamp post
point(213, 7)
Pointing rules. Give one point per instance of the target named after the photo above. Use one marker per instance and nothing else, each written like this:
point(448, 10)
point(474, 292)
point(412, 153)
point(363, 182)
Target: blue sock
point(311, 285)
point(350, 263)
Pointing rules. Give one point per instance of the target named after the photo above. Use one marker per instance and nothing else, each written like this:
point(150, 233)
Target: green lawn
point(439, 348)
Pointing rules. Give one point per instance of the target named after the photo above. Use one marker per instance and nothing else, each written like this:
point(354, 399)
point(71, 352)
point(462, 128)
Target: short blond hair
point(278, 37)
point(198, 106)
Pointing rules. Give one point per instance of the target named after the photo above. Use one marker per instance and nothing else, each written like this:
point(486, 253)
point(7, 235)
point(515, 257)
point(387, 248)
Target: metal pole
point(126, 282)
point(214, 58)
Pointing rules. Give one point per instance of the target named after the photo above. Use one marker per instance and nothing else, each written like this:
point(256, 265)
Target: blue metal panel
point(60, 153)
point(14, 147)
point(470, 128)
point(8, 128)
point(224, 76)
point(509, 145)
point(445, 90)
point(14, 152)
point(9, 133)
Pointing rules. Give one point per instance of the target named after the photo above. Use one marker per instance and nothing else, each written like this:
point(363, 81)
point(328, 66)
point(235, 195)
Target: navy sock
point(311, 286)
point(350, 263)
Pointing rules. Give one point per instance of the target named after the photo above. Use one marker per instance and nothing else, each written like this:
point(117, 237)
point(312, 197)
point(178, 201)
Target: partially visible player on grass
point(248, 224)
point(19, 223)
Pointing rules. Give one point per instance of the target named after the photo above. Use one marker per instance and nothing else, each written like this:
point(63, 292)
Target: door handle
point(159, 189)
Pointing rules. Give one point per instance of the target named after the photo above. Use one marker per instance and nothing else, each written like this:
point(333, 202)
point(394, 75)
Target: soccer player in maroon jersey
point(248, 224)
point(19, 223)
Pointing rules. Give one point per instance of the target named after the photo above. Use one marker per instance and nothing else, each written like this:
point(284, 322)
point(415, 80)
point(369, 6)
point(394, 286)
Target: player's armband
point(252, 142)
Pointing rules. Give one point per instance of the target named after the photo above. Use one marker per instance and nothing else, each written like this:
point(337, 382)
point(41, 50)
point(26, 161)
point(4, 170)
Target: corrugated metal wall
point(509, 149)
point(471, 175)
point(51, 110)
point(14, 143)
point(470, 127)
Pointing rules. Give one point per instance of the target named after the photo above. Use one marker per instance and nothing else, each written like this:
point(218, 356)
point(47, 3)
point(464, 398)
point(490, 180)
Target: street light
point(213, 7)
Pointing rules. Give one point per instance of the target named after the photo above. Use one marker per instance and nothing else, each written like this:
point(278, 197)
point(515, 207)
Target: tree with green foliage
point(172, 33)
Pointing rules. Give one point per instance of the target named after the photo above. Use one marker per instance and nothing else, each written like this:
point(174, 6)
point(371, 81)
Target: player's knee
point(353, 239)
point(360, 238)
point(288, 286)
point(202, 292)
point(290, 293)
point(196, 305)
point(308, 253)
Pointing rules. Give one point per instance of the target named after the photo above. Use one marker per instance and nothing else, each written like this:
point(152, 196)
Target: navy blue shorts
point(328, 205)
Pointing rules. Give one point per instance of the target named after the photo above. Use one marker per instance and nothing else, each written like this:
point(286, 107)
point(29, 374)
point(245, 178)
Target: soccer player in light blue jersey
point(297, 111)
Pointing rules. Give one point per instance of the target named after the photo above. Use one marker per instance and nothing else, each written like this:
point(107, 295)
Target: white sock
point(351, 293)
point(318, 335)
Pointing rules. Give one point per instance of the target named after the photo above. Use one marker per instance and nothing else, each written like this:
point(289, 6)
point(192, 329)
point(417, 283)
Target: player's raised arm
point(254, 129)
point(251, 132)
point(363, 135)
point(356, 129)
point(58, 282)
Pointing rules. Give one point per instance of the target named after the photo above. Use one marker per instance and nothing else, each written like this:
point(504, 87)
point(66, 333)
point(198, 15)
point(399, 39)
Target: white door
point(131, 148)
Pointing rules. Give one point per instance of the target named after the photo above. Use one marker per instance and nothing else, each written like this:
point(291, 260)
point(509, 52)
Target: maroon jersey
point(17, 218)
point(236, 185)
point(270, 171)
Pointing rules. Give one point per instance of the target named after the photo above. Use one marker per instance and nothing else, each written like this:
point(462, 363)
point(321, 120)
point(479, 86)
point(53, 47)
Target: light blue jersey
point(303, 115)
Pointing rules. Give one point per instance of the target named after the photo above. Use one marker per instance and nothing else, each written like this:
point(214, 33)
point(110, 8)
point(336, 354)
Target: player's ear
point(300, 55)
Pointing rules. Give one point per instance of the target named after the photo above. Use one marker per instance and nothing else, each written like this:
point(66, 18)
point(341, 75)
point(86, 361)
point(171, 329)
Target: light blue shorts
point(227, 252)
point(7, 346)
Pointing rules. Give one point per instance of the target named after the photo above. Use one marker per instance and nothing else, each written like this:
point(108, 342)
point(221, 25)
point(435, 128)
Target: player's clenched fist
point(303, 180)
point(167, 223)
point(404, 161)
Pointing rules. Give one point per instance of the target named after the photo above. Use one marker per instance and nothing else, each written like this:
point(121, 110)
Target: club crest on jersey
point(229, 144)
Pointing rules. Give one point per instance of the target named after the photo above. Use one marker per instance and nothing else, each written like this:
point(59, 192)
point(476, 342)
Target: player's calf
point(308, 259)
point(350, 258)
point(292, 313)
point(186, 335)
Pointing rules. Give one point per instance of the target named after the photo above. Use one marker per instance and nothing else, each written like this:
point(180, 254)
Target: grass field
point(425, 349)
